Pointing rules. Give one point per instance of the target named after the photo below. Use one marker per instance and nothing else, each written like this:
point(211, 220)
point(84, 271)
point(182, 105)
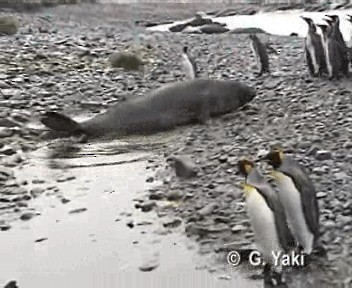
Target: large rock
point(125, 60)
point(8, 25)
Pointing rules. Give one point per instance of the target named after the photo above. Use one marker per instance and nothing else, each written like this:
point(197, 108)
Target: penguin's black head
point(274, 158)
point(308, 20)
point(334, 18)
point(329, 21)
point(245, 167)
point(185, 49)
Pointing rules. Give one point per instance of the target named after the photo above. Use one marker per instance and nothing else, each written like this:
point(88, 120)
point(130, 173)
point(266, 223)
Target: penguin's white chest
point(263, 225)
point(188, 67)
point(256, 56)
point(312, 52)
point(290, 198)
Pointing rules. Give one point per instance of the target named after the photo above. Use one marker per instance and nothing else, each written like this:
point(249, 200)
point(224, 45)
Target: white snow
point(278, 23)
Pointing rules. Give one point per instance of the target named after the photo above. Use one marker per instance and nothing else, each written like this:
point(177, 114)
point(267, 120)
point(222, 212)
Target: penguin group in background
point(298, 197)
point(268, 219)
point(188, 64)
point(314, 50)
point(260, 53)
point(330, 50)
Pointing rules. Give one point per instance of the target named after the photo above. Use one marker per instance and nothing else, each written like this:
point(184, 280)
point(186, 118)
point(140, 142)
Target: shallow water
point(278, 23)
point(96, 248)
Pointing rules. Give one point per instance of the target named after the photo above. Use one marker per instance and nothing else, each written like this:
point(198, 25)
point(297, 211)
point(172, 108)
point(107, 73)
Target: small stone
point(184, 167)
point(208, 209)
point(149, 265)
point(174, 195)
point(78, 210)
point(156, 195)
point(65, 200)
point(38, 181)
point(224, 277)
point(322, 155)
point(146, 206)
point(35, 192)
point(130, 224)
point(6, 132)
point(238, 228)
point(172, 223)
point(27, 216)
point(304, 144)
point(40, 240)
point(321, 195)
point(4, 226)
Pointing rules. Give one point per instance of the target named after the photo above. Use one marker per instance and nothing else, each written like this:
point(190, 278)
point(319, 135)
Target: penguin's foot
point(277, 278)
point(320, 250)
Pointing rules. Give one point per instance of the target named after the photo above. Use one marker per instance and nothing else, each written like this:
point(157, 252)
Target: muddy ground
point(58, 61)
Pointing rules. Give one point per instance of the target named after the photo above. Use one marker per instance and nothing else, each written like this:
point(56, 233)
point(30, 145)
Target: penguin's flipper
point(60, 122)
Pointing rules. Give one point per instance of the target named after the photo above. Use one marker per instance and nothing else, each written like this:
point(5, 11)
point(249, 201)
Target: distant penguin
point(314, 50)
point(342, 47)
point(188, 64)
point(336, 28)
point(260, 53)
point(332, 54)
point(349, 42)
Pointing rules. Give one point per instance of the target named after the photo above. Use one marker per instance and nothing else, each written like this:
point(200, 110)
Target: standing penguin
point(267, 218)
point(333, 57)
point(260, 53)
point(314, 50)
point(298, 196)
point(189, 65)
point(342, 47)
point(349, 43)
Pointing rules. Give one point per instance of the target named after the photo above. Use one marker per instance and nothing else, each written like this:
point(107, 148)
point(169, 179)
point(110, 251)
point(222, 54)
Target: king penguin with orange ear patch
point(298, 197)
point(268, 220)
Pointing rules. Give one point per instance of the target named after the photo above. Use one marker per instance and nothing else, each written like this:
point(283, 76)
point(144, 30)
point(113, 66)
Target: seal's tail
point(59, 122)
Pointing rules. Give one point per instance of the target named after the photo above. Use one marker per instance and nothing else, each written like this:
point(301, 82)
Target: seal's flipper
point(60, 122)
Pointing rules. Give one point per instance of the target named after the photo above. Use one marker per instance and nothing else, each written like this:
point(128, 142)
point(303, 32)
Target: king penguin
point(342, 47)
point(267, 218)
point(189, 65)
point(349, 43)
point(314, 49)
point(298, 197)
point(260, 53)
point(333, 58)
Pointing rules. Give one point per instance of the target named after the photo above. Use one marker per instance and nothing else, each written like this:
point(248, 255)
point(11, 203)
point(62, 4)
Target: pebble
point(146, 206)
point(322, 155)
point(185, 167)
point(27, 216)
point(78, 210)
point(174, 195)
point(149, 265)
point(208, 209)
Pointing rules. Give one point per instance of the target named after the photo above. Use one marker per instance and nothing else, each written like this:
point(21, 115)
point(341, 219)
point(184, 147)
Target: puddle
point(96, 247)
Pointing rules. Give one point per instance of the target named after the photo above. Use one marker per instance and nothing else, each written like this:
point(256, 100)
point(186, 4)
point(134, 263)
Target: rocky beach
point(58, 60)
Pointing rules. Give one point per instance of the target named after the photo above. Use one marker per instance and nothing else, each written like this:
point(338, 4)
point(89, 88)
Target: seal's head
point(243, 92)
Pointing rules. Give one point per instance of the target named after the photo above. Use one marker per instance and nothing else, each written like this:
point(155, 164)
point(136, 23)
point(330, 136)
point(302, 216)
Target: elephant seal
point(214, 28)
point(171, 105)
